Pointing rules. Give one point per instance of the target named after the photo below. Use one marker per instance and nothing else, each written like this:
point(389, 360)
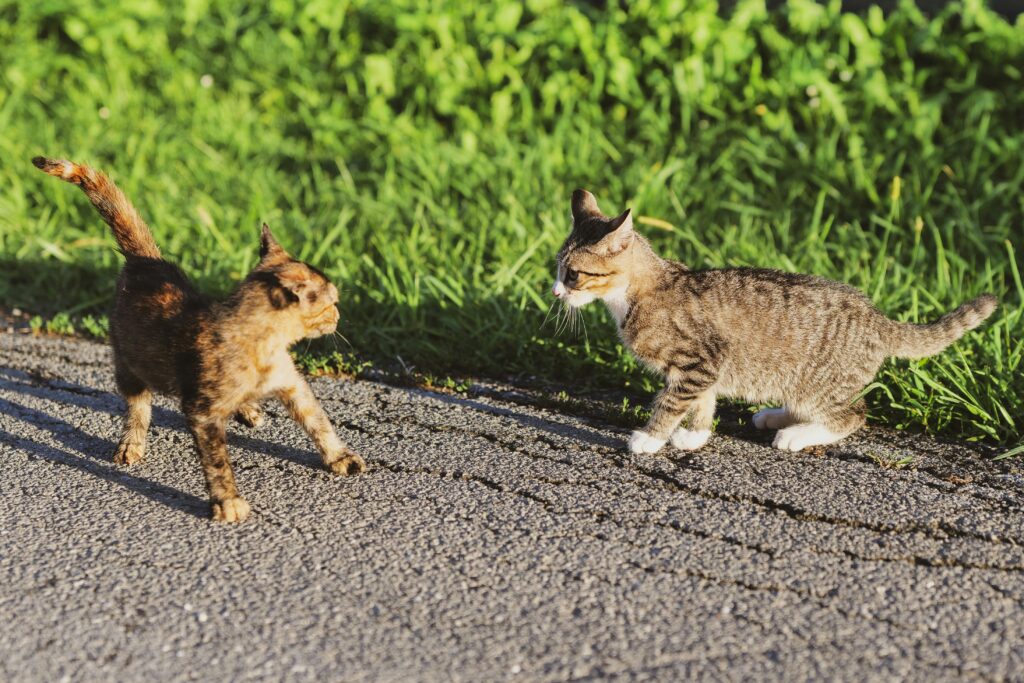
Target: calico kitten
point(760, 335)
point(219, 357)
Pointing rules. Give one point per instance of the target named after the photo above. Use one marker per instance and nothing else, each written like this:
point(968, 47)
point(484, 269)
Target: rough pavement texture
point(488, 541)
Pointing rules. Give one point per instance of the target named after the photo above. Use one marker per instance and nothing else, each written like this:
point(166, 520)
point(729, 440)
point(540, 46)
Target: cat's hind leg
point(773, 418)
point(250, 415)
point(826, 428)
point(132, 446)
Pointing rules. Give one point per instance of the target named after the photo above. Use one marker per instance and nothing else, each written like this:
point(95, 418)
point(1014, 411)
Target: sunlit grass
point(424, 159)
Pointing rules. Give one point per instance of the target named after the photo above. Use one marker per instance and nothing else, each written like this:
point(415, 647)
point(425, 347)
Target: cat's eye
point(571, 275)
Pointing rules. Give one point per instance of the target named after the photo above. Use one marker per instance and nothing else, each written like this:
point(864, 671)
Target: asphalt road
point(488, 541)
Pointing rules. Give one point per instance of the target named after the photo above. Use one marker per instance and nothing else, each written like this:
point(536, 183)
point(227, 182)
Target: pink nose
point(558, 290)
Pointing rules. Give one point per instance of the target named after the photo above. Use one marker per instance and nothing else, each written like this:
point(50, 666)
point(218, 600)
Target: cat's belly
point(753, 382)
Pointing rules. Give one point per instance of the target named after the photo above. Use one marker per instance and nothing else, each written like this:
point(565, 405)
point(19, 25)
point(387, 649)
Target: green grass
point(423, 153)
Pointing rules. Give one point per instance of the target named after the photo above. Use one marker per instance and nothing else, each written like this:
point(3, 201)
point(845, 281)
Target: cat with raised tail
point(219, 357)
point(806, 343)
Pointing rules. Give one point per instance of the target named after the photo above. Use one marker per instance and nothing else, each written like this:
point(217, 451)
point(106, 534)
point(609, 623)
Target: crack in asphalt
point(566, 556)
point(801, 514)
point(458, 475)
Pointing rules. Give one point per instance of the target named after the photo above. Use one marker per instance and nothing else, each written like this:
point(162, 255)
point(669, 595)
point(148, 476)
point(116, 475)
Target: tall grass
point(423, 154)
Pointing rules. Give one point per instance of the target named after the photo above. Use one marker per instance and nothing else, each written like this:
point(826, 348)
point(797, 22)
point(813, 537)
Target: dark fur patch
point(169, 338)
point(279, 296)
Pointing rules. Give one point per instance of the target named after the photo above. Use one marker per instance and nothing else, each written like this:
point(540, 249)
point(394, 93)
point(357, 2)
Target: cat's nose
point(559, 289)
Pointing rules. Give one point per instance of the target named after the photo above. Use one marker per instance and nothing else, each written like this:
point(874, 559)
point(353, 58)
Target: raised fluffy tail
point(130, 231)
point(919, 341)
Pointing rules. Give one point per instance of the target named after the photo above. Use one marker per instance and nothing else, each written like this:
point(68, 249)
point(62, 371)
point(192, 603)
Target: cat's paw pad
point(801, 436)
point(348, 464)
point(250, 416)
point(690, 439)
point(642, 442)
point(230, 510)
point(129, 453)
point(772, 418)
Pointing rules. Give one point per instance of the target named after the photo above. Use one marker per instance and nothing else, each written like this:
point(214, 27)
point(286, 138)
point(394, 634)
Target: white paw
point(772, 418)
point(799, 437)
point(690, 439)
point(642, 442)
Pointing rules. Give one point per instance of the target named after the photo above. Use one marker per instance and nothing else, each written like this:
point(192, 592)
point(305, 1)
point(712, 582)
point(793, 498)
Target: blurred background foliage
point(423, 153)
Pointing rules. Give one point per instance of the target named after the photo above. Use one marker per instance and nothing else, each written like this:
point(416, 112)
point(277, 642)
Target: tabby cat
point(760, 335)
point(219, 357)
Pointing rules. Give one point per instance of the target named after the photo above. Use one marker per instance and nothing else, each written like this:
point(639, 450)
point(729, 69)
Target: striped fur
point(761, 335)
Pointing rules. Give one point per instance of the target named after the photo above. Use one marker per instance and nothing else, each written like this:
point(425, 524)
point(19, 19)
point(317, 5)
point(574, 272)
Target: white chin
point(577, 300)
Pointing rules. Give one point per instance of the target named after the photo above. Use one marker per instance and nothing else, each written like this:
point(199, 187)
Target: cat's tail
point(919, 341)
point(130, 231)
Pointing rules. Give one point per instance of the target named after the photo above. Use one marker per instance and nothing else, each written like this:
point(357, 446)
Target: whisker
point(343, 338)
point(548, 314)
point(567, 318)
point(562, 319)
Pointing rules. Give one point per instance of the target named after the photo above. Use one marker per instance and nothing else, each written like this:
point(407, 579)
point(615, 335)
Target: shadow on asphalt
point(592, 437)
point(89, 462)
point(97, 454)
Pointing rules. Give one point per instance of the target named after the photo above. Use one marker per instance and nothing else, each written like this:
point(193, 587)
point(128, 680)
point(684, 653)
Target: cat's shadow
point(575, 432)
point(80, 451)
point(94, 455)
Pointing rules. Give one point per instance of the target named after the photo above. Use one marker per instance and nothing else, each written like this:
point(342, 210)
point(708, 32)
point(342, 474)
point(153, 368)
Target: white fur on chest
point(618, 305)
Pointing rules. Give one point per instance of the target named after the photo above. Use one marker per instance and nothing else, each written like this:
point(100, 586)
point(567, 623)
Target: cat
point(761, 335)
point(219, 357)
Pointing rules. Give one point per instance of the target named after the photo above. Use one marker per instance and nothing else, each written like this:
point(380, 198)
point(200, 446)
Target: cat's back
point(757, 287)
point(155, 291)
point(157, 313)
point(773, 307)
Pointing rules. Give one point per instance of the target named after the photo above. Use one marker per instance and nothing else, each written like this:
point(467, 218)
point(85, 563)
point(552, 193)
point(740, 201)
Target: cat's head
point(593, 263)
point(300, 299)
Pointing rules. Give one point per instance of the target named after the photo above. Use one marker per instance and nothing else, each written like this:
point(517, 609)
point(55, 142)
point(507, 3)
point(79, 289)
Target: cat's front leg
point(690, 393)
point(691, 372)
point(701, 418)
point(667, 412)
point(211, 440)
point(302, 405)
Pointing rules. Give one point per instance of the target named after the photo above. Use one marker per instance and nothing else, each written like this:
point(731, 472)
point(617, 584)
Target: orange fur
point(219, 357)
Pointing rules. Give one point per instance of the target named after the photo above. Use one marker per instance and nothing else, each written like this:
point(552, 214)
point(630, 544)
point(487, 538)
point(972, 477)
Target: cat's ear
point(269, 248)
point(620, 233)
point(584, 205)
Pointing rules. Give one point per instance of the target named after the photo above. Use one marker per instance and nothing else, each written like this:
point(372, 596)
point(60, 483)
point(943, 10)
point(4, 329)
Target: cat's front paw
point(690, 439)
point(642, 442)
point(348, 464)
point(230, 510)
point(129, 453)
